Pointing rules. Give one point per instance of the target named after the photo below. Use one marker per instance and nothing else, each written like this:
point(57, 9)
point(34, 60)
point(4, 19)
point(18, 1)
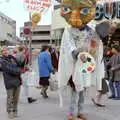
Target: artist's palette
point(87, 62)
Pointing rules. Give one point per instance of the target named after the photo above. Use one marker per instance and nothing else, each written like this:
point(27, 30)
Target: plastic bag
point(53, 82)
point(31, 78)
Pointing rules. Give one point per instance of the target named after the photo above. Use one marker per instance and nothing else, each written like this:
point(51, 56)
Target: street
point(48, 109)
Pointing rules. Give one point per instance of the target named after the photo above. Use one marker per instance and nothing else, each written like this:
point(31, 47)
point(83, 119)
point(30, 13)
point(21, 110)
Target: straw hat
point(79, 3)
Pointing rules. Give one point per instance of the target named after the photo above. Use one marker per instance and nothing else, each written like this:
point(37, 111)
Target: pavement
point(49, 109)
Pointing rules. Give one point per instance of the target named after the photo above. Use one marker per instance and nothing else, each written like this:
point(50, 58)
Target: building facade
point(40, 35)
point(7, 29)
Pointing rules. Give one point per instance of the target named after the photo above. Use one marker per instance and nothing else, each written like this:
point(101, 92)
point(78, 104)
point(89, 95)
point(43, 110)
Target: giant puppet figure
point(80, 62)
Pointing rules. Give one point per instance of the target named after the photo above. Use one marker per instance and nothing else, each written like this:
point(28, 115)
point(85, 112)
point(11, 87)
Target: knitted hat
point(117, 47)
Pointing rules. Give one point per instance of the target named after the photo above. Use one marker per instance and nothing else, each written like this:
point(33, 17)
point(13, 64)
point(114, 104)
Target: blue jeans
point(112, 88)
point(76, 101)
point(117, 86)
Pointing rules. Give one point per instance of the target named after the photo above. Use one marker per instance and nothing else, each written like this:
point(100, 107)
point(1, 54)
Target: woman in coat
point(12, 81)
point(45, 68)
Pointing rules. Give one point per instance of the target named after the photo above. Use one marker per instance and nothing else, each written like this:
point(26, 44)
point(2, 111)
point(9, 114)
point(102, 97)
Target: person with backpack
point(22, 57)
point(12, 80)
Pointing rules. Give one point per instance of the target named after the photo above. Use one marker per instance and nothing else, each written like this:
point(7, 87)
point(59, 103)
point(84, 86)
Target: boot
point(31, 100)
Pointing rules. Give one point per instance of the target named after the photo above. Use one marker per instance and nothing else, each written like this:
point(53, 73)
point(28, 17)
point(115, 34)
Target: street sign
point(27, 31)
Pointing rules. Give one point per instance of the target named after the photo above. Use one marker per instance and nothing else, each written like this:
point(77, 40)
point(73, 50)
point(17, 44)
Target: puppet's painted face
point(77, 15)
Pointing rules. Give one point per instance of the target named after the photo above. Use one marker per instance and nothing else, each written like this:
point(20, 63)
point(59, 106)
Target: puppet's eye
point(84, 11)
point(65, 10)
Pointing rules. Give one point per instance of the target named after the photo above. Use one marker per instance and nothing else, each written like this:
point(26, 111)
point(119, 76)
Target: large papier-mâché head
point(78, 12)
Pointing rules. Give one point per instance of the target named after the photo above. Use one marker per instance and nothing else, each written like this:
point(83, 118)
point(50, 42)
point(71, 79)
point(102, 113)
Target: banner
point(36, 5)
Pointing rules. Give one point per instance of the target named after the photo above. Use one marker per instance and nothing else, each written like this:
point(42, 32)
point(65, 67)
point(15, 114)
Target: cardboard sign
point(36, 5)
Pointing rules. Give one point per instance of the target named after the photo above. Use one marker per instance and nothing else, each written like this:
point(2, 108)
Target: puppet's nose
point(75, 20)
point(75, 14)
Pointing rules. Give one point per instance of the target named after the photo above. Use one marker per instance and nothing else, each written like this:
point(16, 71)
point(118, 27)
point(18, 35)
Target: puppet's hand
point(75, 53)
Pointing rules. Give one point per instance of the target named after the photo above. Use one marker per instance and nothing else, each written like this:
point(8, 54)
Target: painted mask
point(78, 12)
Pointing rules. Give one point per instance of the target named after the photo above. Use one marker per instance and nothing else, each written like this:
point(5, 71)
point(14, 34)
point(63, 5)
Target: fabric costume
point(83, 39)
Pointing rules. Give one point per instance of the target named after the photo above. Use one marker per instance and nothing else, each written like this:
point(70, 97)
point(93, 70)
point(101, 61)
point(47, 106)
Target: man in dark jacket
point(12, 82)
point(114, 62)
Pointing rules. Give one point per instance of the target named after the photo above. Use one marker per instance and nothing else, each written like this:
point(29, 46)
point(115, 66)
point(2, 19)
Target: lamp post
point(30, 42)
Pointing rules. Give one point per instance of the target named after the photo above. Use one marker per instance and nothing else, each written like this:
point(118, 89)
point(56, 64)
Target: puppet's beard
point(77, 23)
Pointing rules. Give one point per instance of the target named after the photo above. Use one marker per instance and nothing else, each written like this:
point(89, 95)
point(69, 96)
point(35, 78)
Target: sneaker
point(44, 94)
point(100, 105)
point(31, 100)
point(10, 116)
point(111, 97)
point(82, 117)
point(117, 98)
point(97, 104)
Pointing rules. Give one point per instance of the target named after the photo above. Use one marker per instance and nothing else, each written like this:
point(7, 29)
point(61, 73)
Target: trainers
point(100, 105)
point(44, 94)
point(97, 104)
point(117, 98)
point(31, 100)
point(11, 116)
point(111, 97)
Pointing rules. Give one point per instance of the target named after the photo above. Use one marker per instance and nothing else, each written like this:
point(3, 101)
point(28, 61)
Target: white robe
point(71, 40)
point(66, 62)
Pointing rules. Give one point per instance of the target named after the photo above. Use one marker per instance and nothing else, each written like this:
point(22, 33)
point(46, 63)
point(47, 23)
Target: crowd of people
point(15, 65)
